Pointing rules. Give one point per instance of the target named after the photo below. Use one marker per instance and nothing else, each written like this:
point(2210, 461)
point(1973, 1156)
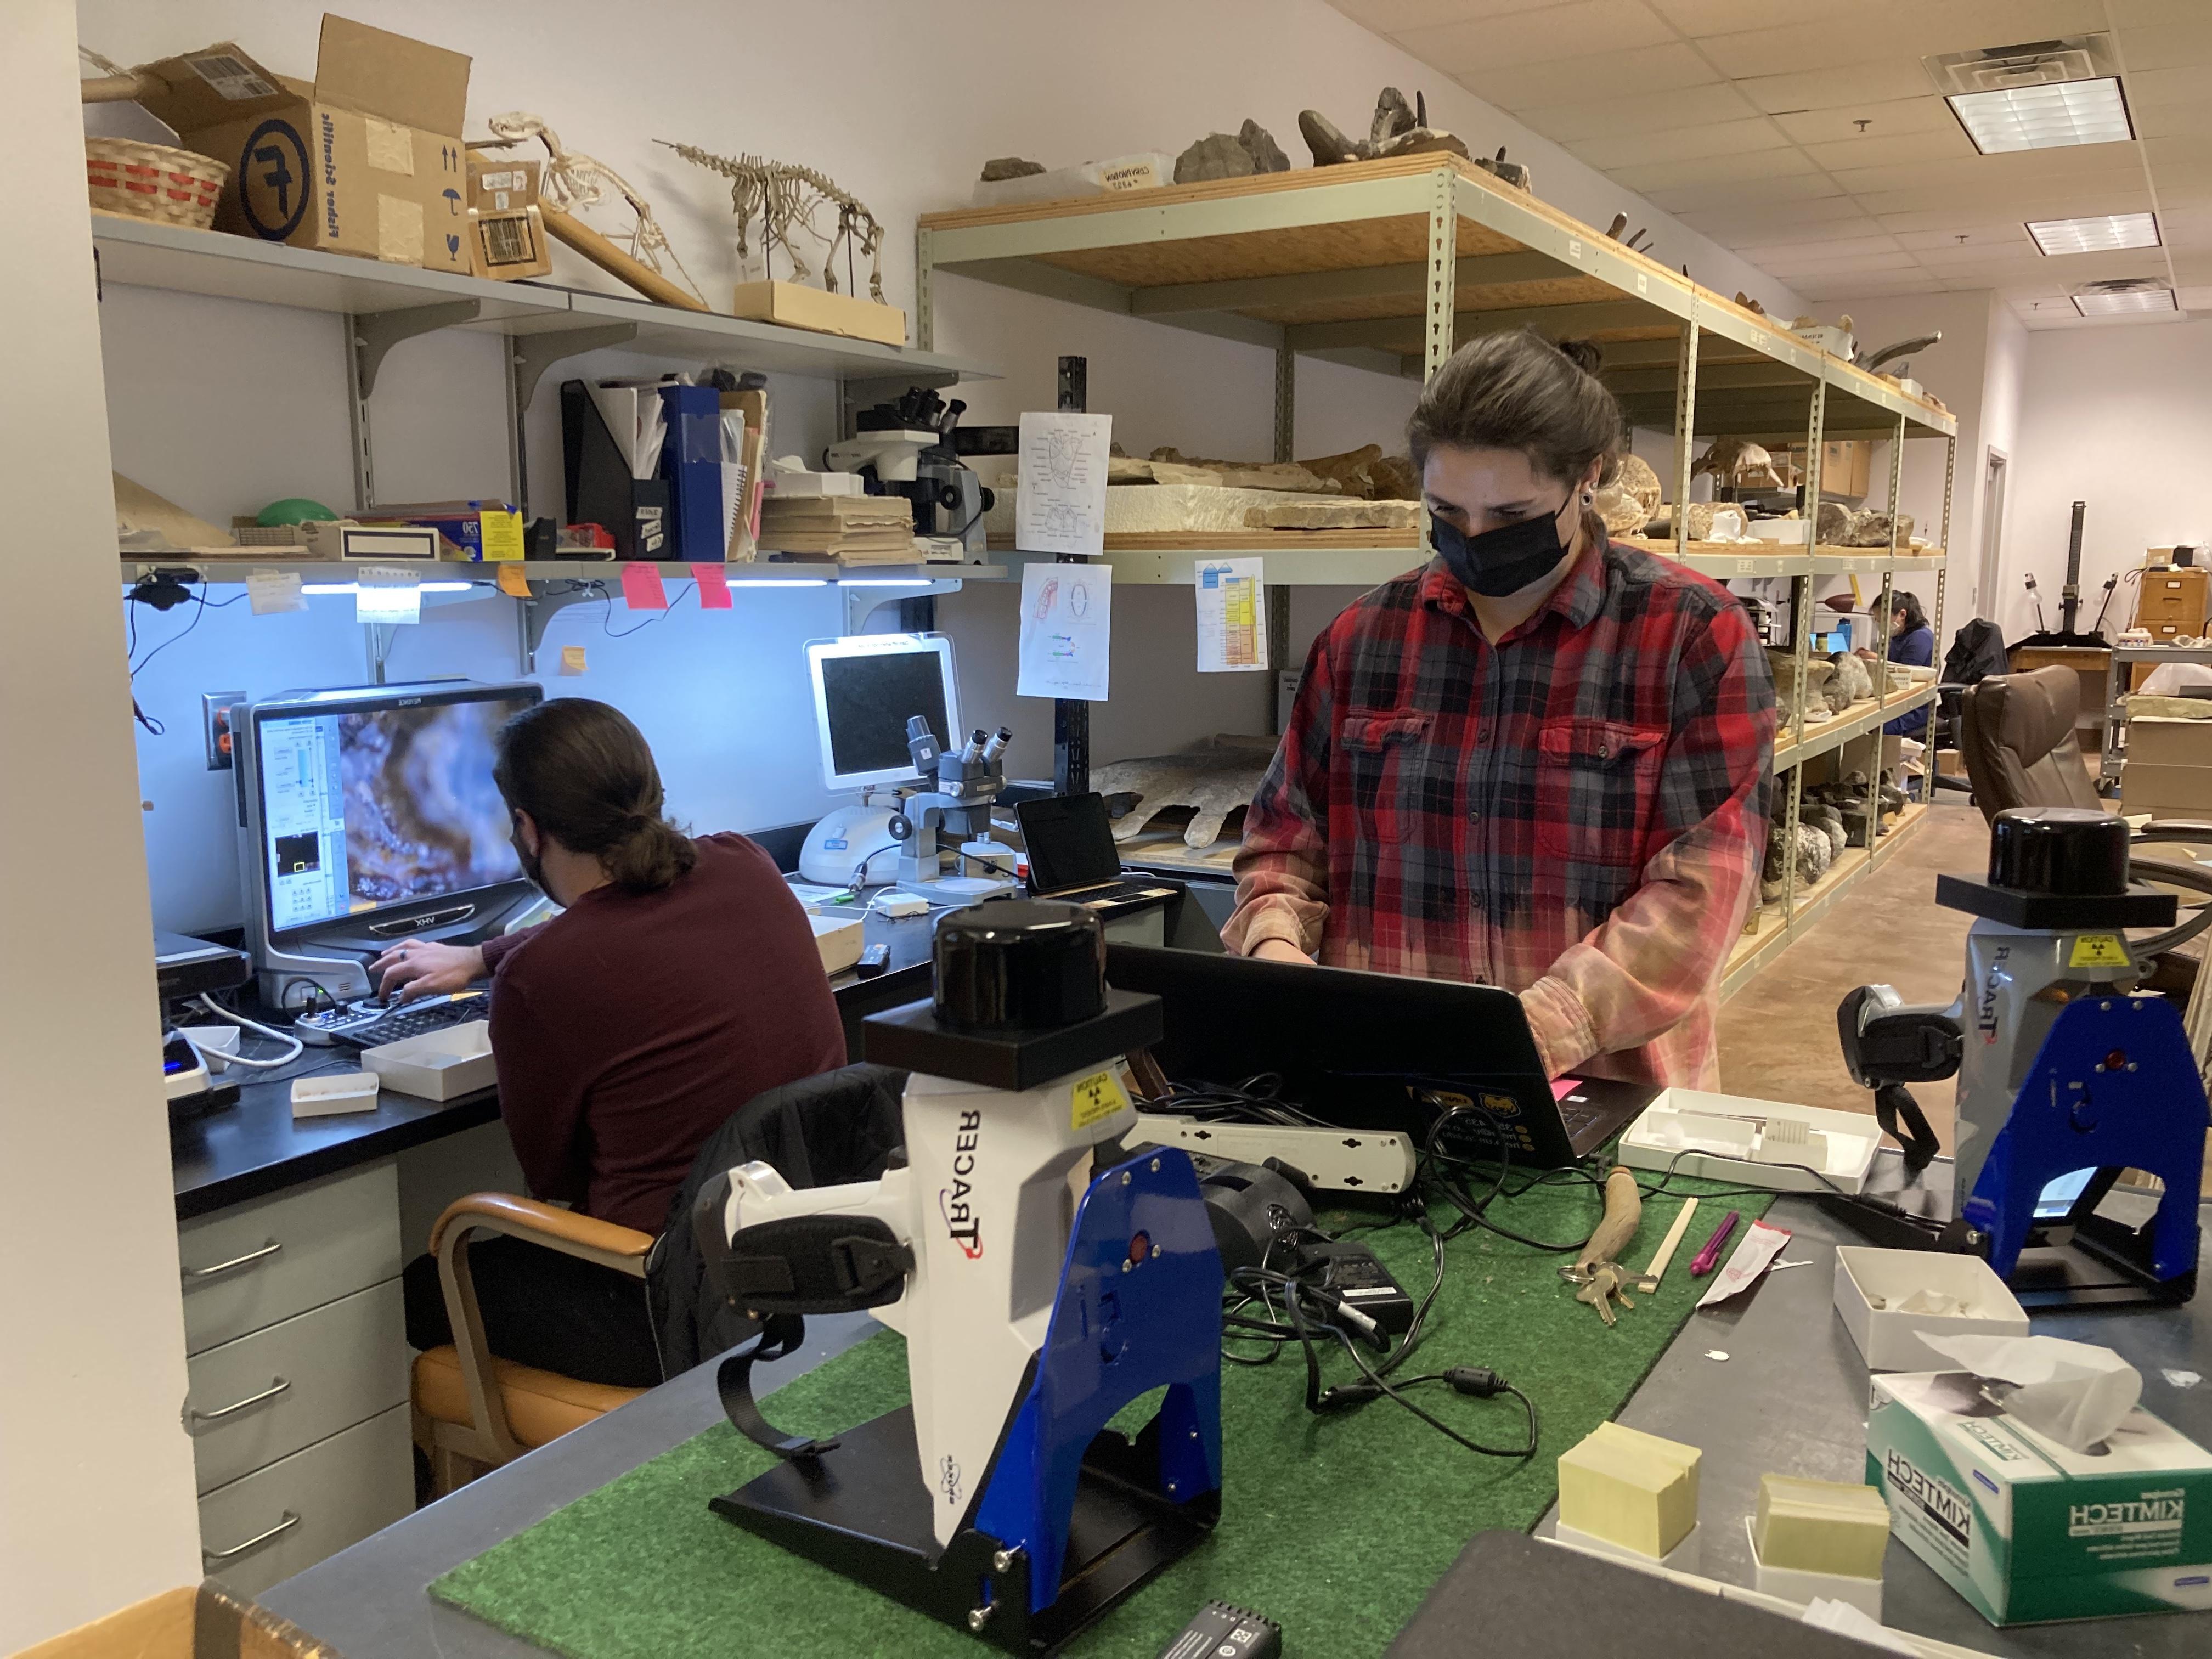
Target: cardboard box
point(383, 544)
point(2027, 1531)
point(794, 305)
point(366, 159)
point(1887, 1339)
point(2155, 741)
point(507, 228)
point(2166, 792)
point(477, 530)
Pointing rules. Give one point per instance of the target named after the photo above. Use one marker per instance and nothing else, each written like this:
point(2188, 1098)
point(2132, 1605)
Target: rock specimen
point(1215, 783)
point(1398, 129)
point(1009, 166)
point(1813, 853)
point(1852, 679)
point(1872, 530)
point(1335, 515)
point(1514, 174)
point(1627, 503)
point(1251, 149)
point(1739, 463)
point(1832, 524)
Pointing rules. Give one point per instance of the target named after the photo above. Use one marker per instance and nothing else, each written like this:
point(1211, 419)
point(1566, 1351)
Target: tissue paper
point(2075, 1392)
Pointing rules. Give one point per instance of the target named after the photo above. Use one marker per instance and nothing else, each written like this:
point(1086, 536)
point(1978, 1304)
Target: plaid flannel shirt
point(1578, 813)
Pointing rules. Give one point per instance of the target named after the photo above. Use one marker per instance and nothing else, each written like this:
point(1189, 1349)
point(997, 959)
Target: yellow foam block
point(1630, 1488)
point(1821, 1525)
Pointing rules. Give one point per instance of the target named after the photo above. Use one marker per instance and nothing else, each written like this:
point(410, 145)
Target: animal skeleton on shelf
point(785, 198)
point(573, 180)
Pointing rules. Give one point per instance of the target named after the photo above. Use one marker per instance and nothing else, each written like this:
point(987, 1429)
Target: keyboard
point(365, 1024)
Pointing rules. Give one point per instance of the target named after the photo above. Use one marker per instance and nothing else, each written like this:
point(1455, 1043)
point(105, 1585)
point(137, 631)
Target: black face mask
point(1503, 561)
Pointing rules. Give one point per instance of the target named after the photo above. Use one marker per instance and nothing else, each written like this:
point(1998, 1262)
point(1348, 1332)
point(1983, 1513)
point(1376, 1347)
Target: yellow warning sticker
point(2100, 951)
point(1098, 1097)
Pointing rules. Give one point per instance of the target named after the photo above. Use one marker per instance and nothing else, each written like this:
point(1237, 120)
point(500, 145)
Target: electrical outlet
point(215, 722)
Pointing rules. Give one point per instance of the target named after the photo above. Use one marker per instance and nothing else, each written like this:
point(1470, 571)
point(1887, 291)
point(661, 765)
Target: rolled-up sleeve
point(1282, 867)
point(1661, 950)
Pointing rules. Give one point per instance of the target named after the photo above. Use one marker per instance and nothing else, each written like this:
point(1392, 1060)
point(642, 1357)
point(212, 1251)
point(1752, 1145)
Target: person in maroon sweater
point(680, 981)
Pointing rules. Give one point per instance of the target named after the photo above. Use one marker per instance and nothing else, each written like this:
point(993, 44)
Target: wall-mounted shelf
point(138, 253)
point(1820, 738)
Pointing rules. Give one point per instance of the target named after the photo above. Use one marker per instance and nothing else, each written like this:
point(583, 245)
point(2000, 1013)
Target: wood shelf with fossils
point(1388, 264)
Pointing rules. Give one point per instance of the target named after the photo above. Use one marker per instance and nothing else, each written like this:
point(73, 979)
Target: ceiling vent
point(2119, 295)
point(2038, 96)
point(2039, 63)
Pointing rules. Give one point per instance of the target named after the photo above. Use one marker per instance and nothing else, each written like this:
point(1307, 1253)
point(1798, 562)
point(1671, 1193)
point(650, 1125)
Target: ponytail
point(586, 775)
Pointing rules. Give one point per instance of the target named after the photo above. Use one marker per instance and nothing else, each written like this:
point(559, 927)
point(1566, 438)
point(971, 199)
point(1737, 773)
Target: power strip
point(1338, 1160)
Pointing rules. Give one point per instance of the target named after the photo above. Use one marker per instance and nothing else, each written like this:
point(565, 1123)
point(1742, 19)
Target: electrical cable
point(299, 1047)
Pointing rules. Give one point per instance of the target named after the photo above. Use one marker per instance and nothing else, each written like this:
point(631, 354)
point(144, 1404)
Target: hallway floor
point(1777, 1035)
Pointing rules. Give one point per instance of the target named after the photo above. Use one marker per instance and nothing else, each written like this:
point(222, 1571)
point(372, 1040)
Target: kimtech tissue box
point(2027, 1531)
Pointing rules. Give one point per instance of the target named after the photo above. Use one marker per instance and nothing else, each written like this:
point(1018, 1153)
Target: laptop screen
point(1071, 842)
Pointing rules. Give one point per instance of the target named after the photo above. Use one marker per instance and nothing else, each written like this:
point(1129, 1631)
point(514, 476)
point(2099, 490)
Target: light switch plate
point(214, 724)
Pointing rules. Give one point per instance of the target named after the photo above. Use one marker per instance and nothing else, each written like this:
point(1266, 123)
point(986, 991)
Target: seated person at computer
point(680, 981)
point(1543, 762)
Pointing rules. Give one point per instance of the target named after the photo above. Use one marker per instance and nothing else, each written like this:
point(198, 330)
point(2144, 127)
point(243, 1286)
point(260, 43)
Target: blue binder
point(691, 462)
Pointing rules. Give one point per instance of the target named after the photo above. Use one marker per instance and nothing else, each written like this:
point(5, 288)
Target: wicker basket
point(153, 181)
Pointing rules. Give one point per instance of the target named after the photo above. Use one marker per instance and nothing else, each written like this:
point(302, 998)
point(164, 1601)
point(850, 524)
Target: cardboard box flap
point(373, 72)
point(211, 88)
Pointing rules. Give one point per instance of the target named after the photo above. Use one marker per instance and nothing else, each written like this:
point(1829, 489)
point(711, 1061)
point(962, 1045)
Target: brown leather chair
point(472, 1408)
point(2018, 741)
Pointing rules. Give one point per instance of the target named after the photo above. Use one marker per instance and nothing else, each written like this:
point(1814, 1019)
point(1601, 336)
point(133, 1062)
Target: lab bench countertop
point(256, 1148)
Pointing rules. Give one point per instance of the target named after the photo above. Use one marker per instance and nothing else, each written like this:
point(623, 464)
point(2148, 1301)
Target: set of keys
point(1597, 1272)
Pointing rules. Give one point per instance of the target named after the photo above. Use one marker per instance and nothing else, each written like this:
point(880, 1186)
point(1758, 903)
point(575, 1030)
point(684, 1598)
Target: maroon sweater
point(630, 1027)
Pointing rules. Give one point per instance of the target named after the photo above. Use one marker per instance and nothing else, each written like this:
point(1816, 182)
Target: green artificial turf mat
point(1335, 1527)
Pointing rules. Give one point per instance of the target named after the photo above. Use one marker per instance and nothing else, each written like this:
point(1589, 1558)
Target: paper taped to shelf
point(1062, 509)
point(1232, 616)
point(1066, 630)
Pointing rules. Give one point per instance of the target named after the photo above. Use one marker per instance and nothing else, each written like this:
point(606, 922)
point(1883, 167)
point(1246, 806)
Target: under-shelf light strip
point(327, 588)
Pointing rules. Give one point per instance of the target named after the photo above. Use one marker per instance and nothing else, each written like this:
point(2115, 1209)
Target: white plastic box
point(838, 939)
point(1794, 1584)
point(1889, 1340)
point(332, 1094)
point(438, 1065)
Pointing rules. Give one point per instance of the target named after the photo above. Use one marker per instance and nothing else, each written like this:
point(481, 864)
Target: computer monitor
point(867, 686)
point(371, 816)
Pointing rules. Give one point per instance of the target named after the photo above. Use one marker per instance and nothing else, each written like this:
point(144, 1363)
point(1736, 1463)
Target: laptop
point(1070, 842)
point(1376, 1052)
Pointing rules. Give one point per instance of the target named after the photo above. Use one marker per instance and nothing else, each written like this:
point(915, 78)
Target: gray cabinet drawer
point(253, 1264)
point(283, 1519)
point(297, 1381)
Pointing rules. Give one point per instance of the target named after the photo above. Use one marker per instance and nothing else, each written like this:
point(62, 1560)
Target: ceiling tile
point(2151, 87)
point(1681, 144)
point(1697, 18)
point(2165, 120)
point(1810, 249)
point(1835, 88)
point(1988, 177)
point(2009, 232)
point(2169, 45)
point(1868, 30)
point(1660, 110)
point(1783, 161)
point(1397, 16)
point(1944, 214)
point(1872, 149)
point(1722, 211)
point(1983, 257)
point(1927, 113)
point(1609, 75)
point(1549, 35)
point(2135, 14)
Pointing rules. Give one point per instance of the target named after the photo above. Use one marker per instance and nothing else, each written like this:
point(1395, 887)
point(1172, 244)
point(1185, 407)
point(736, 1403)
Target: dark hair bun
point(1582, 353)
point(649, 855)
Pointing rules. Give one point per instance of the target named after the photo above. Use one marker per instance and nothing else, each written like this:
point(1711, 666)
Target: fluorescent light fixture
point(2102, 232)
point(2044, 116)
point(881, 581)
point(2113, 305)
point(811, 581)
point(354, 587)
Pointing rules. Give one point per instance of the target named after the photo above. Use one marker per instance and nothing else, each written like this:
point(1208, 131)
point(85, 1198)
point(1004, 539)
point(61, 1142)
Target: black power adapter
point(1365, 1301)
point(1221, 1627)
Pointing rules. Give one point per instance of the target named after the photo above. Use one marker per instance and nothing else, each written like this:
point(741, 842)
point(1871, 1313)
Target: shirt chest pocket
point(1391, 768)
point(1597, 786)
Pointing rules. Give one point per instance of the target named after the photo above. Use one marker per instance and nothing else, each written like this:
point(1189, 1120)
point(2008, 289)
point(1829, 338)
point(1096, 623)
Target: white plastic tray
point(1723, 1147)
point(330, 1094)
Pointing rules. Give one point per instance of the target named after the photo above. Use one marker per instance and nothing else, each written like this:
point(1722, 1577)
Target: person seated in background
point(680, 980)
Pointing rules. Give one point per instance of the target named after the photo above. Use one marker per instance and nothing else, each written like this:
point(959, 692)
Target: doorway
point(1993, 500)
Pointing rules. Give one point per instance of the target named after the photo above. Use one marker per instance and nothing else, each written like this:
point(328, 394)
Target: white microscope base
point(958, 890)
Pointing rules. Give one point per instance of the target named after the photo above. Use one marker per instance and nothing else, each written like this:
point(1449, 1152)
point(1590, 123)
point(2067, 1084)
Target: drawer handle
point(259, 1538)
point(278, 1385)
point(246, 1261)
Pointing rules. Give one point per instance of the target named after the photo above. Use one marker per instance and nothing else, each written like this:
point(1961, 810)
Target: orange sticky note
point(512, 582)
point(714, 586)
point(572, 660)
point(641, 589)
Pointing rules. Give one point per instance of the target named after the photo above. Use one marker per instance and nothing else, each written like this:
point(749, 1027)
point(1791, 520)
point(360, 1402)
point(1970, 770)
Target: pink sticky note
point(1564, 1086)
point(641, 589)
point(714, 586)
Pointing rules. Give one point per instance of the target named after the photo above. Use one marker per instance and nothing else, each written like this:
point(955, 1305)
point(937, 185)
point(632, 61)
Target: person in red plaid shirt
point(1543, 762)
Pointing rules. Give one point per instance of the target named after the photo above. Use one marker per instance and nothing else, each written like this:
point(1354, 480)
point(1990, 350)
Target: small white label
point(231, 78)
point(272, 592)
point(382, 595)
point(1574, 247)
point(1644, 282)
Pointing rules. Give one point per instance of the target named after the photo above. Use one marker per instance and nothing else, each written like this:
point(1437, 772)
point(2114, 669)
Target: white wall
point(2119, 418)
point(223, 407)
point(95, 1465)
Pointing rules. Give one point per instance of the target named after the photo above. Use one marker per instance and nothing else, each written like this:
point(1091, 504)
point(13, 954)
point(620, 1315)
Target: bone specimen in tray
point(573, 180)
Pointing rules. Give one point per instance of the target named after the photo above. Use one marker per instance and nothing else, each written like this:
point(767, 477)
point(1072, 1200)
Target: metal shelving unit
point(1389, 265)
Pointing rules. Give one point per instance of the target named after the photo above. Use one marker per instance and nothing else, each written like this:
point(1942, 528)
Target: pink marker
point(1708, 1258)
